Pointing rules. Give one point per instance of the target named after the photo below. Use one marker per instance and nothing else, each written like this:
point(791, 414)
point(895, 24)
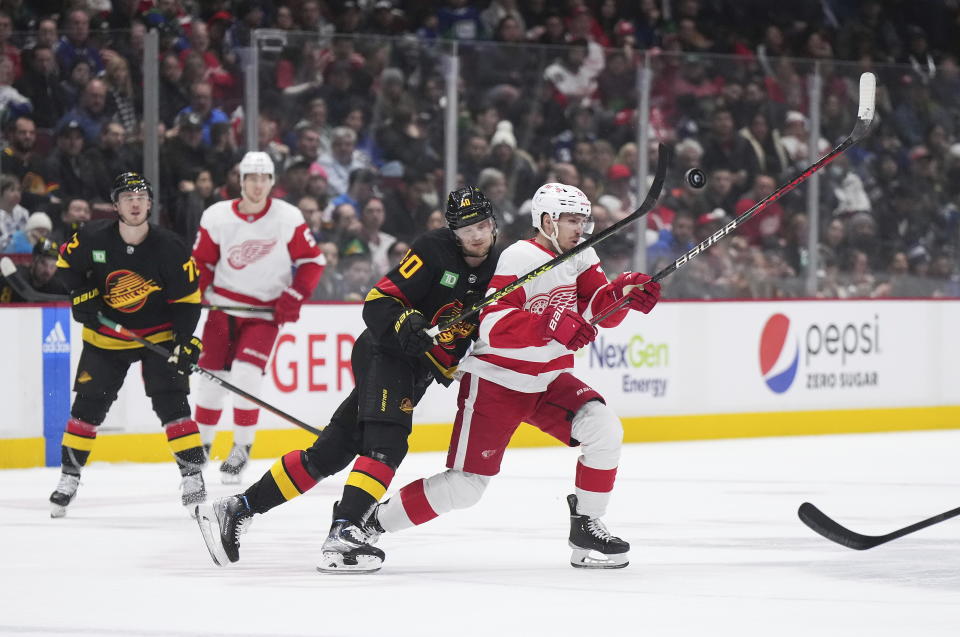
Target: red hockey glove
point(638, 298)
point(287, 307)
point(567, 328)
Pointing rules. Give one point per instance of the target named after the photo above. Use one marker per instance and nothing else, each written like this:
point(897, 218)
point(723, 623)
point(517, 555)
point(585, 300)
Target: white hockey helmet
point(256, 163)
point(556, 199)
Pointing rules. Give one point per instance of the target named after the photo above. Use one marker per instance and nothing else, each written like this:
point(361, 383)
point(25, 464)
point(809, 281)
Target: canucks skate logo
point(56, 341)
point(779, 354)
point(562, 296)
point(447, 339)
point(128, 291)
point(249, 251)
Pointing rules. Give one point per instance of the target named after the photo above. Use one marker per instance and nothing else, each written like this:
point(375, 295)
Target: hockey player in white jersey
point(519, 371)
point(246, 249)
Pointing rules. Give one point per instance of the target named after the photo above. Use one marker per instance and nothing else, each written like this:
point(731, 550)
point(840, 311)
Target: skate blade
point(210, 530)
point(585, 558)
point(57, 511)
point(358, 565)
point(229, 478)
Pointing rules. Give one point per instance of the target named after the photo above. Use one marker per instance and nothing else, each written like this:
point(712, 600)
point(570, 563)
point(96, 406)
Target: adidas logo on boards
point(56, 341)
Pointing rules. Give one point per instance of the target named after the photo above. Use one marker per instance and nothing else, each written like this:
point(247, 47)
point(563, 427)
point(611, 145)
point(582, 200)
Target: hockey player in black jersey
point(394, 361)
point(143, 278)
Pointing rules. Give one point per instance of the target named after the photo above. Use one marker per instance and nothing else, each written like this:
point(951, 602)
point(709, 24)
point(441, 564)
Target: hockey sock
point(366, 484)
point(593, 489)
point(183, 437)
point(207, 420)
point(78, 439)
point(245, 422)
point(287, 478)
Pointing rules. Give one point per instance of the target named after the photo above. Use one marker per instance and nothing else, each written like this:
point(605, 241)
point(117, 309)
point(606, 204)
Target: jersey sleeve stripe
point(193, 297)
point(389, 288)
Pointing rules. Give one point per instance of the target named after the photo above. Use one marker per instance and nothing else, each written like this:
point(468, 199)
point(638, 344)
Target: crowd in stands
point(352, 108)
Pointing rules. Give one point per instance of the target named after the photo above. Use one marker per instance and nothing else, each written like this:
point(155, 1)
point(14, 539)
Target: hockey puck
point(695, 178)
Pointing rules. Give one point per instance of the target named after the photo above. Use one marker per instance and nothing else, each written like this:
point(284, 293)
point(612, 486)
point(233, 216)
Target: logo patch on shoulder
point(99, 256)
point(84, 377)
point(449, 279)
point(406, 406)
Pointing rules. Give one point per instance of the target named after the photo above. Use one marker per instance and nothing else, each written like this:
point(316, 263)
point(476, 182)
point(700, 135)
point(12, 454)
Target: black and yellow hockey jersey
point(434, 278)
point(151, 288)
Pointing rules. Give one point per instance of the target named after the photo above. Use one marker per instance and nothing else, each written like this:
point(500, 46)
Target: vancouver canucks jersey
point(150, 288)
point(434, 278)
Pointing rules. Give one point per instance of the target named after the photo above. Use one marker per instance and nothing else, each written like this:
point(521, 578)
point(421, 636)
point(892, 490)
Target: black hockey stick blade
point(829, 528)
point(664, 160)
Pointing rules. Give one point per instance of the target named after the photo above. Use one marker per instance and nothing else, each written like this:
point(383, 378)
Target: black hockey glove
point(85, 304)
point(185, 355)
point(411, 334)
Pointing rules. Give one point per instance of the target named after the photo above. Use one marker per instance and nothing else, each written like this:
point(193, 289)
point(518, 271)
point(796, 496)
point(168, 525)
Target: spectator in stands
point(769, 155)
point(76, 44)
point(47, 34)
point(13, 216)
point(719, 191)
point(407, 207)
point(201, 103)
point(91, 113)
point(401, 139)
point(307, 146)
point(12, 102)
point(508, 159)
point(62, 170)
point(7, 49)
point(395, 254)
point(74, 215)
point(434, 221)
point(123, 103)
point(378, 242)
point(795, 140)
point(268, 138)
point(39, 274)
point(342, 159)
point(362, 186)
point(357, 271)
point(173, 95)
point(331, 281)
point(18, 158)
point(315, 116)
point(221, 80)
point(767, 227)
point(103, 162)
point(312, 215)
point(723, 148)
point(619, 180)
point(41, 85)
point(231, 187)
point(459, 20)
point(859, 282)
point(493, 183)
point(72, 86)
point(571, 78)
point(293, 183)
point(37, 229)
point(183, 157)
point(476, 154)
point(184, 215)
point(675, 241)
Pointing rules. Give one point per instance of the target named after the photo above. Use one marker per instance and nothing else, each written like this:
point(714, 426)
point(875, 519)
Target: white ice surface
point(717, 550)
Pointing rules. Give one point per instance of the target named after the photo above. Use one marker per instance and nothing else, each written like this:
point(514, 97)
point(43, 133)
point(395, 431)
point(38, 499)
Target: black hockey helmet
point(467, 206)
point(46, 248)
point(130, 182)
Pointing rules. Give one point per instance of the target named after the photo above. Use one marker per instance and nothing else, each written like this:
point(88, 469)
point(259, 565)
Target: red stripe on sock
point(415, 503)
point(596, 480)
point(180, 429)
point(207, 416)
point(245, 417)
point(293, 465)
point(80, 428)
point(379, 471)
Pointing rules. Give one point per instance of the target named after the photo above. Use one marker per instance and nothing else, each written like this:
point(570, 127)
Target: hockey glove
point(287, 307)
point(411, 329)
point(86, 303)
point(638, 298)
point(185, 355)
point(567, 328)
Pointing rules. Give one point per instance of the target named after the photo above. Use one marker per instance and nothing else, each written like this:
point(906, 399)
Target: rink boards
point(690, 370)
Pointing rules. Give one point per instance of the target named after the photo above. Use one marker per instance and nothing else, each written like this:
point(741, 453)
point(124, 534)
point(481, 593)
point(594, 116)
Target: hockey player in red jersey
point(519, 371)
point(246, 249)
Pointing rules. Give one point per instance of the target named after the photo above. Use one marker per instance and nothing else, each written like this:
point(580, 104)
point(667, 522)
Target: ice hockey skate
point(347, 550)
point(193, 491)
point(222, 523)
point(63, 495)
point(232, 468)
point(593, 545)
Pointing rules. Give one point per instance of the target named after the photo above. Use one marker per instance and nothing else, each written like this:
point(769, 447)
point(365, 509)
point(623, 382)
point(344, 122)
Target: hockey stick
point(15, 278)
point(833, 530)
point(868, 89)
point(664, 160)
point(162, 351)
point(236, 308)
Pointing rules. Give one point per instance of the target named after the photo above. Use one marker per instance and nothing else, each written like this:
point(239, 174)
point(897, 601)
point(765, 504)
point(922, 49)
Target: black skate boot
point(222, 523)
point(593, 545)
point(347, 550)
point(232, 468)
point(63, 495)
point(193, 491)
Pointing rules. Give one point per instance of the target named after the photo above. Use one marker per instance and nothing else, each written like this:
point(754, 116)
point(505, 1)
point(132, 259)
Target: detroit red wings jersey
point(511, 350)
point(248, 259)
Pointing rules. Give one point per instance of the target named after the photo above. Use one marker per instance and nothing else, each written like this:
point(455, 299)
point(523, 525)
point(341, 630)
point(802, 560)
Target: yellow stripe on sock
point(78, 442)
point(366, 483)
point(284, 483)
point(185, 442)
